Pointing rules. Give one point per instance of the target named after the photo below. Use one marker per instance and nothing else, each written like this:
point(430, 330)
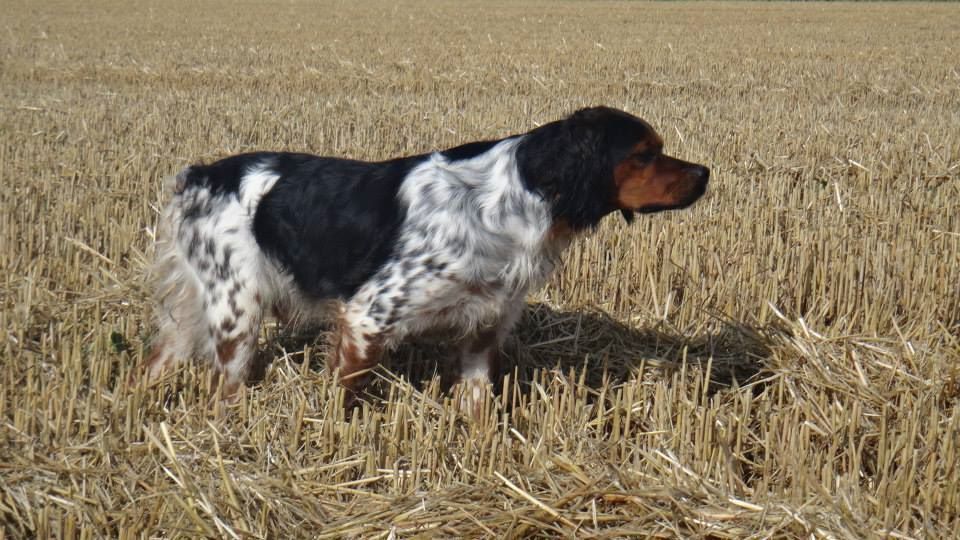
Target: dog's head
point(600, 160)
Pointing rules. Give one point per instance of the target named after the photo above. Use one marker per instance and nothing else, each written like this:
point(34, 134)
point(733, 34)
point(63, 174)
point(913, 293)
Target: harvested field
point(783, 359)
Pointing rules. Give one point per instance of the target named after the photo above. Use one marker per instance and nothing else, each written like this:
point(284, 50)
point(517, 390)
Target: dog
point(448, 240)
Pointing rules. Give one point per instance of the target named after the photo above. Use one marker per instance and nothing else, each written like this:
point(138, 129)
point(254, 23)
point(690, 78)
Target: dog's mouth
point(630, 215)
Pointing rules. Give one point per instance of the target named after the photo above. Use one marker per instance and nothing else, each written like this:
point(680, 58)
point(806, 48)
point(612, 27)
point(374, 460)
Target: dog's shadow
point(608, 350)
point(592, 344)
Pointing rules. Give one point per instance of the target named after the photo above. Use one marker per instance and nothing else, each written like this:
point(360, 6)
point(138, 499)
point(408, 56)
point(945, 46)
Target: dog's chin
point(654, 208)
point(629, 215)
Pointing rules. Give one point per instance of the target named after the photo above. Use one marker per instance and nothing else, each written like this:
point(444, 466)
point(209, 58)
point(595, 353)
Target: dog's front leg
point(480, 358)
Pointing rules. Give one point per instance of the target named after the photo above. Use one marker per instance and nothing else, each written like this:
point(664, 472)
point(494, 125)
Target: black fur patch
point(470, 150)
point(224, 176)
point(332, 223)
point(570, 162)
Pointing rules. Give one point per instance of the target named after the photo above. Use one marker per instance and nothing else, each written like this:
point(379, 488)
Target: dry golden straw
point(781, 360)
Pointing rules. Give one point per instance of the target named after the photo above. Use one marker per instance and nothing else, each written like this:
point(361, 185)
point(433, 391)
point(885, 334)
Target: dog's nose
point(701, 173)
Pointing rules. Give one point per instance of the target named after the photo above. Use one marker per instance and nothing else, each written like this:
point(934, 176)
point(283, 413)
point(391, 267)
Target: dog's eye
point(643, 158)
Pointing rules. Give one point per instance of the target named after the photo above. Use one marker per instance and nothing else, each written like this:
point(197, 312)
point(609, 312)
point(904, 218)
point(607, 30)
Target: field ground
point(781, 360)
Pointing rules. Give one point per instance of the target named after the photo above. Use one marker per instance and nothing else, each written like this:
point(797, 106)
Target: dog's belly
point(452, 306)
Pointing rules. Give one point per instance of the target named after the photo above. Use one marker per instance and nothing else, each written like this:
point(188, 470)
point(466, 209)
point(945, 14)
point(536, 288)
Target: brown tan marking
point(649, 179)
point(352, 362)
point(227, 348)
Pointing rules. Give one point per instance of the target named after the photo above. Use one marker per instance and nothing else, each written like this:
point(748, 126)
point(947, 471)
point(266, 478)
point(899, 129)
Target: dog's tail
point(178, 314)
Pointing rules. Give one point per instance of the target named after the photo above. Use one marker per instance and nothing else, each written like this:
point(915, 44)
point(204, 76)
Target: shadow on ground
point(569, 341)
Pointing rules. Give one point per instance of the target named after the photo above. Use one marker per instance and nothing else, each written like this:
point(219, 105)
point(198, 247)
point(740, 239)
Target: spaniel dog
point(448, 240)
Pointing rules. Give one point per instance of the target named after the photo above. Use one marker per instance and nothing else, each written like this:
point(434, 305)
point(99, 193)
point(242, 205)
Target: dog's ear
point(568, 163)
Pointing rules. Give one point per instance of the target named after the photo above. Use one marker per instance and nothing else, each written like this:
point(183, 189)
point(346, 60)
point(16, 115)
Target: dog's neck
point(494, 228)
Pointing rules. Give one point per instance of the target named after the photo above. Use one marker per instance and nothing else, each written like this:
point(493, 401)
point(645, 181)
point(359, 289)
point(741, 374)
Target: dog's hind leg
point(359, 344)
point(237, 290)
point(234, 317)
